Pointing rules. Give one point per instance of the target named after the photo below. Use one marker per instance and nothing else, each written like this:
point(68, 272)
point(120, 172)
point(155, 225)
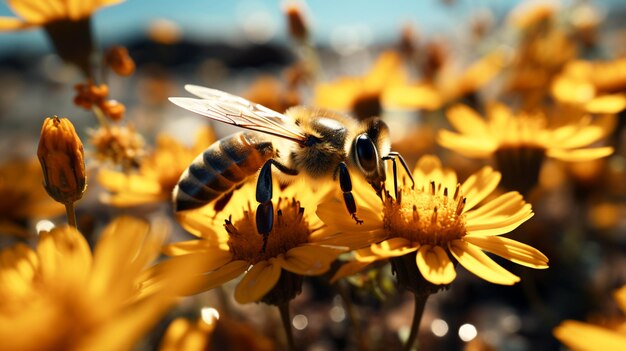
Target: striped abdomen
point(220, 168)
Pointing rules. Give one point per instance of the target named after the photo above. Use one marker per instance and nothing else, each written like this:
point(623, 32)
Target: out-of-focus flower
point(120, 145)
point(269, 92)
point(596, 86)
point(119, 60)
point(366, 96)
point(297, 23)
point(520, 141)
point(588, 337)
point(157, 175)
point(66, 22)
point(23, 197)
point(213, 332)
point(61, 156)
point(89, 96)
point(62, 297)
point(436, 218)
point(273, 275)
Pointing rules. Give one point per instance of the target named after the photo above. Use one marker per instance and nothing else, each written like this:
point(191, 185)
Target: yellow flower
point(39, 13)
point(588, 337)
point(596, 86)
point(366, 96)
point(482, 138)
point(213, 332)
point(62, 297)
point(433, 220)
point(521, 142)
point(293, 246)
point(158, 174)
point(67, 23)
point(23, 197)
point(61, 156)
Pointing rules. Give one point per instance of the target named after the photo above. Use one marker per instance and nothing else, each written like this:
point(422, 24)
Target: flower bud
point(60, 153)
point(120, 62)
point(296, 22)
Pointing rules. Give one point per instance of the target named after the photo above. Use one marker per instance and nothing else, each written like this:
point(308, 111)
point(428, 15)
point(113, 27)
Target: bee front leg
point(346, 187)
point(264, 191)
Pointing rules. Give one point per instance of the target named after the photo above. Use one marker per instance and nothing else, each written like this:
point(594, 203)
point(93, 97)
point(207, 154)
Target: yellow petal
point(226, 273)
point(498, 216)
point(467, 145)
point(351, 240)
point(620, 297)
point(479, 185)
point(191, 246)
point(127, 245)
point(11, 24)
point(393, 247)
point(366, 255)
point(477, 262)
point(583, 133)
point(607, 104)
point(200, 225)
point(587, 337)
point(35, 11)
point(258, 281)
point(435, 265)
point(579, 155)
point(349, 269)
point(466, 120)
point(118, 182)
point(65, 256)
point(417, 96)
point(335, 215)
point(309, 259)
point(512, 250)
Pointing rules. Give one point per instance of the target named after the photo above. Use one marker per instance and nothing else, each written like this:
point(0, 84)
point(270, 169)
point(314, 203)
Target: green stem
point(420, 302)
point(284, 316)
point(353, 318)
point(102, 119)
point(71, 214)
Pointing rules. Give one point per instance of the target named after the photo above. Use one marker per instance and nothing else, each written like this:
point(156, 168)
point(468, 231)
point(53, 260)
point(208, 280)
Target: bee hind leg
point(346, 187)
point(264, 191)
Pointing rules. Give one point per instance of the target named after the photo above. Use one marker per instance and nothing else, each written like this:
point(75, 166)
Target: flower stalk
point(420, 303)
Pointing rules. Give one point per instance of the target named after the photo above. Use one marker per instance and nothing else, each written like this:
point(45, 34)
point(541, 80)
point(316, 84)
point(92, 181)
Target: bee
point(317, 143)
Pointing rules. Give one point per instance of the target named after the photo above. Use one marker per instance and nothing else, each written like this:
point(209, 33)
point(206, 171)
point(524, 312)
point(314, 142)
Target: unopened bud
point(296, 23)
point(120, 62)
point(61, 156)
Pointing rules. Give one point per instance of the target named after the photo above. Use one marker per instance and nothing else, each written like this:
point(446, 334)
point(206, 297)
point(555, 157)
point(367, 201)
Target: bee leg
point(346, 187)
point(264, 191)
point(392, 157)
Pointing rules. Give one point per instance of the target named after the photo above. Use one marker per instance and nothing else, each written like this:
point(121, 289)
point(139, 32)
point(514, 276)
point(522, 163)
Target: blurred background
point(580, 210)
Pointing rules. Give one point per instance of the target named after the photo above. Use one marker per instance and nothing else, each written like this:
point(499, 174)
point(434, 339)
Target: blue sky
point(209, 19)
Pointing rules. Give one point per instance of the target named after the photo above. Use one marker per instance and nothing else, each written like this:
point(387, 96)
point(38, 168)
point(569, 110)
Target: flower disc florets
point(430, 215)
point(290, 230)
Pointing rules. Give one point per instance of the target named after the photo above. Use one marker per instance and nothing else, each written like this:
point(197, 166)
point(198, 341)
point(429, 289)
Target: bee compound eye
point(366, 155)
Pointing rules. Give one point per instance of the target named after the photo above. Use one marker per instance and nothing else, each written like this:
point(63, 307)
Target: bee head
point(369, 146)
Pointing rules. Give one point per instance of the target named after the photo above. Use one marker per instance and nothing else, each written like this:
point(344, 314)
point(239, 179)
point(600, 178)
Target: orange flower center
point(291, 229)
point(430, 215)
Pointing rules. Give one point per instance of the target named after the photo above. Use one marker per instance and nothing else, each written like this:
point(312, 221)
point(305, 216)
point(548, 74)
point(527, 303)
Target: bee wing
point(237, 111)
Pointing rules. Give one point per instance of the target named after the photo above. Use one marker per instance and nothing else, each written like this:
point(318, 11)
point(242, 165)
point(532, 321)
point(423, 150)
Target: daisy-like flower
point(61, 296)
point(295, 247)
point(588, 337)
point(520, 141)
point(158, 174)
point(595, 86)
point(367, 95)
point(120, 145)
point(210, 331)
point(23, 197)
point(66, 22)
point(431, 222)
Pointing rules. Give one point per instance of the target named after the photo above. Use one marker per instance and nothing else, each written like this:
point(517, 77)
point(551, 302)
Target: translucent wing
point(235, 110)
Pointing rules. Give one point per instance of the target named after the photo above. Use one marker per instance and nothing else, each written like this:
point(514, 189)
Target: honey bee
point(317, 143)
